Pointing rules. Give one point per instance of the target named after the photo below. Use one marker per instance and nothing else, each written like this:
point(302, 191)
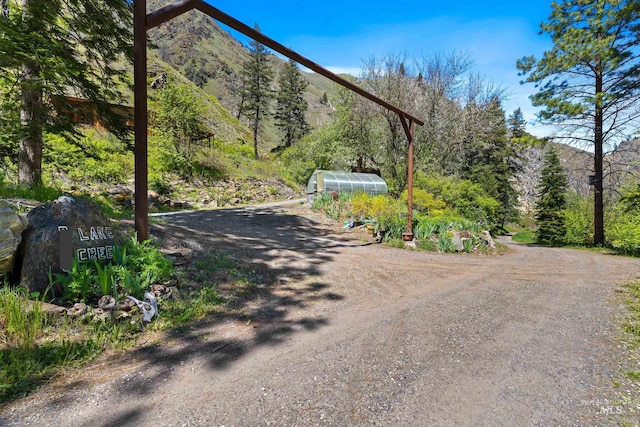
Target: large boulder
point(11, 227)
point(59, 231)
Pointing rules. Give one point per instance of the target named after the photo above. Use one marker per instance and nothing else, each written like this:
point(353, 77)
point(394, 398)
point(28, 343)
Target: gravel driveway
point(344, 332)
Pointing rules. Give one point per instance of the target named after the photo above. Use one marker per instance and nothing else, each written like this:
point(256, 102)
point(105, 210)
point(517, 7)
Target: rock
point(107, 302)
point(77, 310)
point(486, 237)
point(92, 238)
point(123, 315)
point(153, 199)
point(11, 227)
point(126, 305)
point(120, 190)
point(53, 309)
point(456, 239)
point(157, 290)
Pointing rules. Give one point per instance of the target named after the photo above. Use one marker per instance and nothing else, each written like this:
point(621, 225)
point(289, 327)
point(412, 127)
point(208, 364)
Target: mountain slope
point(202, 51)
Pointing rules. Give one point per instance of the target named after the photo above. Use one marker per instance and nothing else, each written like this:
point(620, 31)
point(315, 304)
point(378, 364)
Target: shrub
point(135, 266)
point(623, 229)
point(426, 202)
point(466, 198)
point(578, 220)
point(361, 205)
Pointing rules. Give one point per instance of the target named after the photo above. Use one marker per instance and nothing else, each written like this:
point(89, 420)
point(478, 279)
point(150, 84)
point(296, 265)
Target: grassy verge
point(524, 237)
point(36, 347)
point(626, 397)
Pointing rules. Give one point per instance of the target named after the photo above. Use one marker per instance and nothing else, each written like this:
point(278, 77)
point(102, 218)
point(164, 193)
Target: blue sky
point(341, 35)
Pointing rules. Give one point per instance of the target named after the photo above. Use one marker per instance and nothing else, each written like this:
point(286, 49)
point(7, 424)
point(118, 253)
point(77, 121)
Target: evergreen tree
point(291, 105)
point(256, 93)
point(51, 49)
point(517, 124)
point(589, 82)
point(551, 200)
point(490, 161)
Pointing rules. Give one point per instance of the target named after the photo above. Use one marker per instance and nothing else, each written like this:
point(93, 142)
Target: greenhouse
point(324, 182)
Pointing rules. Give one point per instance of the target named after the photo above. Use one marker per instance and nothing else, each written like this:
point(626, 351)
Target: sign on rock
point(57, 232)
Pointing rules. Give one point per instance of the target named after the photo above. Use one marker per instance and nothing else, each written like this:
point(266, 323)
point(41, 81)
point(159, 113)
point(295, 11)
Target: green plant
point(322, 201)
point(551, 201)
point(578, 220)
point(467, 246)
point(425, 229)
point(427, 245)
point(21, 322)
point(76, 285)
point(426, 202)
point(395, 243)
point(445, 244)
point(134, 267)
point(159, 184)
point(106, 279)
point(524, 237)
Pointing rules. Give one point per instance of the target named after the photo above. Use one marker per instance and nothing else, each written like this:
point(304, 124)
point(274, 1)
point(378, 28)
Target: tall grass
point(21, 322)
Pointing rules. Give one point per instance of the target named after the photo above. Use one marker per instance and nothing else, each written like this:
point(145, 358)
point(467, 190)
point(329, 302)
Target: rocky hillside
point(620, 166)
point(202, 51)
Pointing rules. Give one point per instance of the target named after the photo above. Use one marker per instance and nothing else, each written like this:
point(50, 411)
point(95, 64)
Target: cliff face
point(621, 166)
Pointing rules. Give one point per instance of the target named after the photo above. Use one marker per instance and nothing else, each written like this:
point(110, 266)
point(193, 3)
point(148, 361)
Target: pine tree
point(551, 200)
point(51, 49)
point(589, 82)
point(256, 94)
point(291, 105)
point(490, 161)
point(517, 124)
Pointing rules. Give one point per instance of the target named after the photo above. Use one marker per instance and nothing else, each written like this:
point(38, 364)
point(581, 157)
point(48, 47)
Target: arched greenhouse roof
point(322, 182)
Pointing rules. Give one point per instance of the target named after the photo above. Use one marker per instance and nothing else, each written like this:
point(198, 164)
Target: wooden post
point(140, 117)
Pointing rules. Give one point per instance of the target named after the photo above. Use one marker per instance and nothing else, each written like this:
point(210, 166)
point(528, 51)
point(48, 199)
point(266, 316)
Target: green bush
point(578, 220)
point(91, 158)
point(466, 198)
point(426, 202)
point(322, 149)
point(134, 267)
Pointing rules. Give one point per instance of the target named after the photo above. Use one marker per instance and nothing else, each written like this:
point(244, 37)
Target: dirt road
point(344, 332)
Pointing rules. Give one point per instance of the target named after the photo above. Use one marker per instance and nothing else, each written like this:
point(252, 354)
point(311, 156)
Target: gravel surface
point(345, 332)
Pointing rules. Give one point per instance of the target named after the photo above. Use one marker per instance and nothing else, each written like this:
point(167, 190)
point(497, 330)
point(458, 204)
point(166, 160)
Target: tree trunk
point(256, 126)
point(31, 119)
point(598, 210)
point(30, 154)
